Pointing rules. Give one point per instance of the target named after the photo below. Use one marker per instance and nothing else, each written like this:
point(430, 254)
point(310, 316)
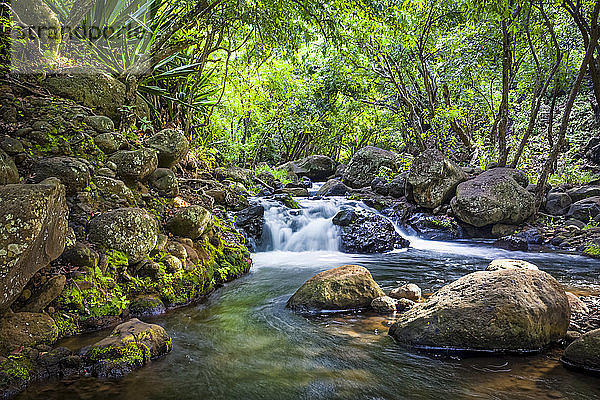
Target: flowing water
point(242, 343)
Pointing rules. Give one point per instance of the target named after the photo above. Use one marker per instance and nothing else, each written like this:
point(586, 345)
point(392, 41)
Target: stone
point(33, 231)
point(110, 142)
point(344, 217)
point(315, 167)
point(512, 310)
point(100, 123)
point(130, 345)
point(370, 233)
point(251, 220)
point(236, 174)
point(397, 186)
point(584, 353)
point(583, 192)
point(333, 187)
point(268, 178)
point(74, 173)
point(501, 230)
point(409, 291)
point(81, 256)
point(25, 329)
point(164, 181)
point(146, 306)
point(502, 264)
point(512, 243)
point(347, 287)
point(496, 196)
point(387, 304)
point(38, 14)
point(577, 306)
point(8, 170)
point(558, 203)
point(189, 222)
point(433, 179)
point(365, 165)
point(135, 165)
point(130, 230)
point(585, 210)
point(295, 192)
point(46, 294)
point(114, 187)
point(171, 145)
point(380, 186)
point(11, 146)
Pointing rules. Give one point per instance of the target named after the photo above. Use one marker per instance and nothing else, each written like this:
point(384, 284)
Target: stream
point(242, 343)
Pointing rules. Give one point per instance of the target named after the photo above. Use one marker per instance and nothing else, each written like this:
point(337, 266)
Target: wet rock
point(433, 179)
point(130, 230)
point(344, 217)
point(370, 233)
point(410, 292)
point(343, 288)
point(164, 181)
point(8, 170)
point(26, 329)
point(380, 186)
point(44, 295)
point(365, 165)
point(496, 196)
point(135, 165)
point(387, 304)
point(434, 227)
point(503, 264)
point(286, 200)
point(189, 222)
point(130, 345)
point(558, 203)
point(100, 123)
point(251, 220)
point(315, 167)
point(584, 353)
point(512, 243)
point(583, 192)
point(114, 188)
point(510, 310)
point(74, 173)
point(171, 145)
point(577, 306)
point(397, 186)
point(146, 306)
point(333, 187)
point(501, 230)
point(33, 230)
point(585, 210)
point(296, 192)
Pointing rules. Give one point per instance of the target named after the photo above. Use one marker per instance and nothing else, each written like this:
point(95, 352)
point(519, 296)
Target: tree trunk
point(506, 67)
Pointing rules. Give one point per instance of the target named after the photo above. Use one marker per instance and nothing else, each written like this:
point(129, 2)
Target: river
point(242, 343)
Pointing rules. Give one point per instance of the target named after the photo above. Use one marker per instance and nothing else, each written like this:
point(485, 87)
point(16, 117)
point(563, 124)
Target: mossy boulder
point(72, 172)
point(365, 165)
point(114, 188)
point(129, 230)
point(164, 181)
point(171, 146)
point(584, 353)
point(348, 287)
point(8, 170)
point(236, 174)
point(100, 123)
point(33, 230)
point(497, 196)
point(433, 178)
point(146, 306)
point(189, 222)
point(110, 142)
point(333, 187)
point(135, 165)
point(130, 345)
point(316, 167)
point(512, 310)
point(26, 329)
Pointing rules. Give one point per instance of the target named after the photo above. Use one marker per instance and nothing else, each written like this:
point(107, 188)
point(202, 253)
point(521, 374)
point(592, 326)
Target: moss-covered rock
point(130, 230)
point(189, 222)
point(26, 329)
point(171, 146)
point(584, 353)
point(72, 172)
point(135, 165)
point(164, 181)
point(343, 288)
point(365, 165)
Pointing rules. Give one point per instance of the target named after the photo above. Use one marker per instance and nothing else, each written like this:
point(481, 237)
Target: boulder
point(38, 15)
point(433, 178)
point(333, 187)
point(512, 310)
point(410, 292)
point(584, 353)
point(135, 165)
point(268, 178)
point(236, 174)
point(81, 256)
point(146, 306)
point(164, 181)
point(387, 304)
point(369, 233)
point(344, 217)
point(344, 288)
point(251, 220)
point(8, 170)
point(110, 142)
point(557, 203)
point(189, 222)
point(365, 165)
point(45, 294)
point(26, 329)
point(315, 167)
point(577, 306)
point(585, 210)
point(295, 192)
point(11, 146)
point(114, 188)
point(74, 173)
point(496, 196)
point(380, 186)
point(100, 123)
point(33, 230)
point(171, 146)
point(130, 230)
point(130, 345)
point(502, 264)
point(583, 192)
point(397, 186)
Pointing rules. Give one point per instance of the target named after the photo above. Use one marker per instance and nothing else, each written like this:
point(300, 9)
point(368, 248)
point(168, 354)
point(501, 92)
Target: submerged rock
point(584, 353)
point(367, 232)
point(344, 288)
point(365, 165)
point(511, 310)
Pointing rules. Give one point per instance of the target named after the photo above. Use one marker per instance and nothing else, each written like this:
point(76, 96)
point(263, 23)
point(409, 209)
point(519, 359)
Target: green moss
point(592, 250)
point(15, 370)
point(134, 354)
point(66, 324)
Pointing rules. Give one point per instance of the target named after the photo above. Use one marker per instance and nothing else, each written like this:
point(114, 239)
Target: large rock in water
point(343, 288)
point(33, 230)
point(316, 167)
point(171, 145)
point(498, 196)
point(584, 353)
point(130, 230)
point(25, 329)
point(189, 222)
point(130, 345)
point(367, 232)
point(365, 165)
point(510, 310)
point(433, 178)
